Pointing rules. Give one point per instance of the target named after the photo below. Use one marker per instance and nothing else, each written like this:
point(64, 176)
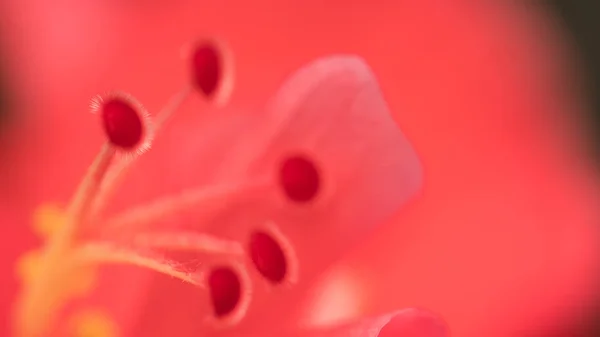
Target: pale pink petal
point(332, 112)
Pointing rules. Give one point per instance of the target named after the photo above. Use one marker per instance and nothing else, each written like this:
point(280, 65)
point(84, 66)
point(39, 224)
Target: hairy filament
point(103, 253)
point(79, 207)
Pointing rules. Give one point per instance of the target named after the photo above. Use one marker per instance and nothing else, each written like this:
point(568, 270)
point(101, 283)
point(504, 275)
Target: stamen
point(169, 206)
point(119, 170)
point(188, 242)
point(113, 178)
point(79, 205)
point(108, 254)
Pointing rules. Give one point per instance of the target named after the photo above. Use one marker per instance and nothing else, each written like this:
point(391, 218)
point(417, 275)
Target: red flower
point(506, 205)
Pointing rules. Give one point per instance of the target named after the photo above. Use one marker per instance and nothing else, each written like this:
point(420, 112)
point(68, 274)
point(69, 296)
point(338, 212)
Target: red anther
point(124, 120)
point(268, 257)
point(299, 179)
point(225, 290)
point(207, 68)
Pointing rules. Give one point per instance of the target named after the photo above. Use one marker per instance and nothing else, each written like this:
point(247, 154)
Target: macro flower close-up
point(301, 168)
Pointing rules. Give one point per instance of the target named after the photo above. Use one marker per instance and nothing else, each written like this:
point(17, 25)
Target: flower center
point(75, 237)
point(47, 221)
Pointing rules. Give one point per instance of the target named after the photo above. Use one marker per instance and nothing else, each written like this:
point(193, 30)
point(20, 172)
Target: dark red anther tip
point(124, 121)
point(225, 290)
point(268, 257)
point(299, 179)
point(207, 68)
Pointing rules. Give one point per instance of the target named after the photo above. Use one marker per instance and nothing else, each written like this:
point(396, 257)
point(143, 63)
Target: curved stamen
point(119, 170)
point(103, 253)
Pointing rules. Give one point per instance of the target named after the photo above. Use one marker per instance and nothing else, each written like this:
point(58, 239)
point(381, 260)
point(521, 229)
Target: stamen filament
point(82, 199)
point(188, 242)
point(169, 206)
point(108, 254)
point(174, 103)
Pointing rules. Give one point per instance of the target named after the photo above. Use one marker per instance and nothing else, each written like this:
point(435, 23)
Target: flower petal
point(333, 111)
point(333, 114)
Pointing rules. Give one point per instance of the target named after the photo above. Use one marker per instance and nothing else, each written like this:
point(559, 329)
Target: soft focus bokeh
point(499, 100)
point(580, 21)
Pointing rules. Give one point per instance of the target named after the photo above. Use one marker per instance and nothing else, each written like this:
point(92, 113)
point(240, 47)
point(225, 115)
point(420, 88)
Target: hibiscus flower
point(463, 81)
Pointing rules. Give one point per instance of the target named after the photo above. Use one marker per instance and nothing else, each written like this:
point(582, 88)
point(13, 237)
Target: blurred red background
point(503, 239)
